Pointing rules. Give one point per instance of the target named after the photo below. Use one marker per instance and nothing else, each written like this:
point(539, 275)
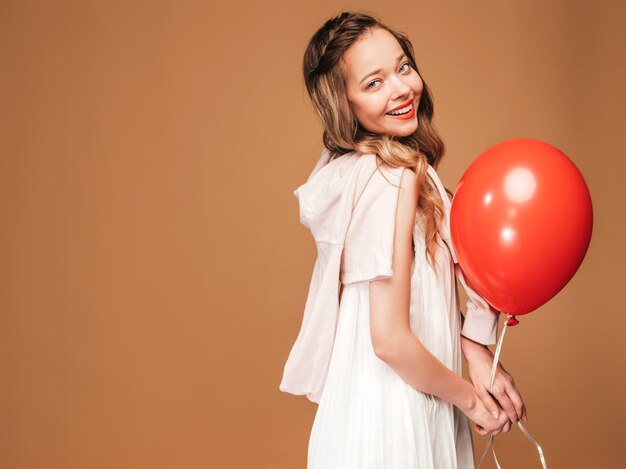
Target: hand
point(480, 360)
point(484, 421)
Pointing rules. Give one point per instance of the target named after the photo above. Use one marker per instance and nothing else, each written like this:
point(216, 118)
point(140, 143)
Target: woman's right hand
point(483, 421)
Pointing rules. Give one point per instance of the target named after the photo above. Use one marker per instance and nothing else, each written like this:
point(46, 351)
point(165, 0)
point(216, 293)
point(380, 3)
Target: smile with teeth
point(404, 110)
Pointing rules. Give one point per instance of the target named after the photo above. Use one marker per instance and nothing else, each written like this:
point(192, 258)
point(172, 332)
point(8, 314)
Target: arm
point(392, 339)
point(479, 329)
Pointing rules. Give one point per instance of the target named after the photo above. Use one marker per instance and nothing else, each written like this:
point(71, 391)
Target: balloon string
point(491, 440)
point(497, 355)
point(493, 375)
point(534, 442)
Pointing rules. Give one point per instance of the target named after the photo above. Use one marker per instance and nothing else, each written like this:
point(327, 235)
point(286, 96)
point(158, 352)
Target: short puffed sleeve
point(368, 249)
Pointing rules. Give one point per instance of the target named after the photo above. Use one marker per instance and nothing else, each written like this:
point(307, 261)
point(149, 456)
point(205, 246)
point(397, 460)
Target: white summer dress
point(368, 417)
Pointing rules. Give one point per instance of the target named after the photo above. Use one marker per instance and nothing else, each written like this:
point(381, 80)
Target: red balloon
point(520, 221)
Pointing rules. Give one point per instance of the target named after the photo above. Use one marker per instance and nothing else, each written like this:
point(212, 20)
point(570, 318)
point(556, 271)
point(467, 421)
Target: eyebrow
point(378, 71)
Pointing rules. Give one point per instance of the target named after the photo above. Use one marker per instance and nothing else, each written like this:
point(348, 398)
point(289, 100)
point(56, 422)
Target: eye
point(370, 83)
point(407, 64)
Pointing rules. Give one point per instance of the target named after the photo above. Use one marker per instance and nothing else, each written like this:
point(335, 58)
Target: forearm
point(472, 349)
point(418, 367)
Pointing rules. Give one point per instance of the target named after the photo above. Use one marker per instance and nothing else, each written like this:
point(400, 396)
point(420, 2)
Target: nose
point(400, 88)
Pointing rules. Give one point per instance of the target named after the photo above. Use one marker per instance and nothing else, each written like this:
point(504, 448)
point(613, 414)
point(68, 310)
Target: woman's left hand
point(480, 360)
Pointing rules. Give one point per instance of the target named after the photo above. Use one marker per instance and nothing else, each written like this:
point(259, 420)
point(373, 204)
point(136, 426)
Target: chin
point(406, 133)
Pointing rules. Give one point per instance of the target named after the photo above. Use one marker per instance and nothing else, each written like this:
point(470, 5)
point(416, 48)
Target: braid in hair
point(317, 62)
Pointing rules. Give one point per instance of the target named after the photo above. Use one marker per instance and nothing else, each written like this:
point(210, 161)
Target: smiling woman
point(382, 354)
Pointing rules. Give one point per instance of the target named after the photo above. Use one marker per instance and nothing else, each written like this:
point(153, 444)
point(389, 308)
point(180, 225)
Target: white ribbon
point(491, 441)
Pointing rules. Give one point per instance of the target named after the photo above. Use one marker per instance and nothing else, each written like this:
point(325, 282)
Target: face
point(378, 80)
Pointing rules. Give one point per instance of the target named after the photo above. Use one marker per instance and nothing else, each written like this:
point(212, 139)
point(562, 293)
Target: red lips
point(401, 105)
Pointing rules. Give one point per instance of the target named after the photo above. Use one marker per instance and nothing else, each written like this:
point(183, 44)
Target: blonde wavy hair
point(324, 80)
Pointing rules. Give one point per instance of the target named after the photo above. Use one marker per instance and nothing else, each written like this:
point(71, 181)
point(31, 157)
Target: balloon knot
point(512, 321)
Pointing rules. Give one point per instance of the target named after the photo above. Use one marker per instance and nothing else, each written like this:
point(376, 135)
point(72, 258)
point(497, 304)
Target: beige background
point(153, 269)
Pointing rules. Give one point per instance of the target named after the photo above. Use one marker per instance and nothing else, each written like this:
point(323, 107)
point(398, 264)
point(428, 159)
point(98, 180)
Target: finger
point(516, 398)
point(504, 418)
point(480, 430)
point(499, 424)
point(488, 401)
point(503, 421)
point(504, 400)
point(524, 414)
point(507, 427)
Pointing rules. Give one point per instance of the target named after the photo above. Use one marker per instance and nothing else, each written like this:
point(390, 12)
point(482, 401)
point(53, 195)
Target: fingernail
point(525, 418)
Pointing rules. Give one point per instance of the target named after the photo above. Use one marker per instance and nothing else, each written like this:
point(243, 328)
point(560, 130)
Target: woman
point(384, 362)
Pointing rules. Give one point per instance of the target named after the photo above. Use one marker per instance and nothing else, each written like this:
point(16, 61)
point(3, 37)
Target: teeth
point(404, 110)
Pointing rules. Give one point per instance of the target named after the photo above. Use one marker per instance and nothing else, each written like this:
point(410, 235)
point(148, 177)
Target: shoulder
point(408, 183)
point(408, 191)
point(385, 186)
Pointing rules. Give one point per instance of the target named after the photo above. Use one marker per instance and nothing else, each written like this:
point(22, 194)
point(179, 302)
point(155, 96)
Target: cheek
point(370, 108)
point(379, 105)
point(418, 85)
point(357, 110)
